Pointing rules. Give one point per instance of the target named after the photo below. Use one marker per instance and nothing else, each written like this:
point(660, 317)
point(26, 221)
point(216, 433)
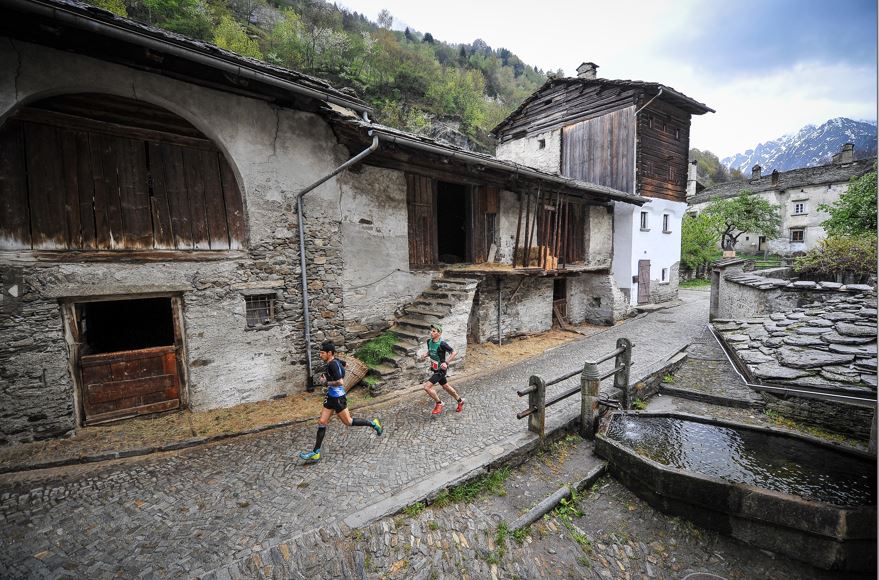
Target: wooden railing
point(590, 381)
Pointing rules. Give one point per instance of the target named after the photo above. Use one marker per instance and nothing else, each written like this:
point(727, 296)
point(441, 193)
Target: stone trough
point(792, 494)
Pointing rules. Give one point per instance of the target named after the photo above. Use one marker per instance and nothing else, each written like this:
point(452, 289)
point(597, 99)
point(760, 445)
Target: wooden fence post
point(589, 383)
point(537, 401)
point(621, 378)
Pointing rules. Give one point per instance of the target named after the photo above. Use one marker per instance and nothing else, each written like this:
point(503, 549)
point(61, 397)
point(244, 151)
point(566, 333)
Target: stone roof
point(757, 280)
point(70, 12)
point(825, 344)
point(795, 178)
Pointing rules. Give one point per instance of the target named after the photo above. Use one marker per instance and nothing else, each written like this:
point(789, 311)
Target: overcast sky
point(768, 67)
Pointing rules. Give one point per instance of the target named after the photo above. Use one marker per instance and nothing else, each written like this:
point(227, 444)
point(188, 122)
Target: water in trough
point(751, 457)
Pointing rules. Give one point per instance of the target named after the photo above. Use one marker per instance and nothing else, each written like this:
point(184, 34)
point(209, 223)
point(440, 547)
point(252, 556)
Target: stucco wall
point(810, 220)
point(376, 280)
point(661, 247)
point(506, 223)
point(595, 298)
point(528, 151)
point(274, 153)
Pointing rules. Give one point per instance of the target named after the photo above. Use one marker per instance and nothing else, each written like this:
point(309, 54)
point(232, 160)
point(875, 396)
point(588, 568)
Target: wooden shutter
point(421, 202)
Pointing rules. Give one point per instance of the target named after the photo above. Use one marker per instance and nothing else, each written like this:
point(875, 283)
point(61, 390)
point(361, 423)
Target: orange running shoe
point(437, 409)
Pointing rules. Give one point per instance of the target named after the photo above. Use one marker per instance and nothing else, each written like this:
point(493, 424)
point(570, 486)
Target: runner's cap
point(438, 327)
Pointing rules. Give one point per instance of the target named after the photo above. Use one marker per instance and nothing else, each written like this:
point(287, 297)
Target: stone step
point(437, 302)
point(405, 333)
point(453, 284)
point(435, 313)
point(385, 370)
point(447, 295)
point(416, 322)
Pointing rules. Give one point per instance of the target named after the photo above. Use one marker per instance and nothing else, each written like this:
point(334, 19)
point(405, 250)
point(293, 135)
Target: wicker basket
point(355, 370)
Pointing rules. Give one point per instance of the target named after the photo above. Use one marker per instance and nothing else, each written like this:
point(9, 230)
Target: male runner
point(335, 401)
point(439, 365)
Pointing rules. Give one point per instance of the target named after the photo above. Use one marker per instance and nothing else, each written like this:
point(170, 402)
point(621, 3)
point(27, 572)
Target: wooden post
point(537, 401)
point(589, 382)
point(872, 447)
point(621, 378)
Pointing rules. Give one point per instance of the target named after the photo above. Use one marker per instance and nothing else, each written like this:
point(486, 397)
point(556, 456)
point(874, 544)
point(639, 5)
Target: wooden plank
point(108, 205)
point(232, 198)
point(80, 186)
point(177, 195)
point(163, 233)
point(106, 358)
point(96, 418)
point(194, 171)
point(131, 174)
point(214, 201)
point(14, 211)
point(46, 187)
point(116, 390)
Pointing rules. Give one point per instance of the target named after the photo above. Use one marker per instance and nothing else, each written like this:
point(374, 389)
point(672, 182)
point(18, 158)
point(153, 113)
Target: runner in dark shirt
point(437, 349)
point(335, 401)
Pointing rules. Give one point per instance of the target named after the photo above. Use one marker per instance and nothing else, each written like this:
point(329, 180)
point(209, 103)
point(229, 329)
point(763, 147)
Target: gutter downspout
point(305, 313)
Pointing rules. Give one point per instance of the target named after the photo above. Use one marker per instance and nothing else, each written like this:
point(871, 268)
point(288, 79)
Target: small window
point(677, 134)
point(799, 208)
point(665, 274)
point(665, 228)
point(260, 310)
point(650, 122)
point(541, 143)
point(644, 227)
point(797, 235)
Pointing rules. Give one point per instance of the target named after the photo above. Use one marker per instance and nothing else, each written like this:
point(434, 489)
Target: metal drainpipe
point(305, 314)
point(498, 310)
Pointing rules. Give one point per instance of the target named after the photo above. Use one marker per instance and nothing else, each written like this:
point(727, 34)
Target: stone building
point(158, 193)
point(798, 192)
point(630, 135)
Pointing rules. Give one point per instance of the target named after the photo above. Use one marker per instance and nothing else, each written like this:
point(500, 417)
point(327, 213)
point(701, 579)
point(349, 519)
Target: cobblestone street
point(194, 511)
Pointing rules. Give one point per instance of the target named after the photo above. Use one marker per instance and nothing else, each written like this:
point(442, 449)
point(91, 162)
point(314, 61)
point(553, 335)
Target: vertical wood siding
point(600, 150)
point(663, 147)
point(64, 187)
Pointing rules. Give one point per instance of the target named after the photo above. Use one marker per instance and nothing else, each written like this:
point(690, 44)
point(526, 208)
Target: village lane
point(193, 511)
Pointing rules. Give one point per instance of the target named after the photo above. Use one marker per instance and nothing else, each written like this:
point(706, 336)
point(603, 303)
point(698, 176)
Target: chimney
point(756, 171)
point(846, 154)
point(587, 70)
point(692, 175)
point(775, 177)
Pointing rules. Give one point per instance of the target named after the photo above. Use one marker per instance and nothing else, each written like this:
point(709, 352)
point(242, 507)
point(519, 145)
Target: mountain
point(809, 147)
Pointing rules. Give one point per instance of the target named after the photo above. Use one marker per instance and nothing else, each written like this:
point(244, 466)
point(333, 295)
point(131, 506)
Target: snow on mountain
point(809, 147)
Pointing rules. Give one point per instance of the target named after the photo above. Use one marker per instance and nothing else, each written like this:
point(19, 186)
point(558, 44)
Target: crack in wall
point(17, 68)
point(277, 132)
point(134, 91)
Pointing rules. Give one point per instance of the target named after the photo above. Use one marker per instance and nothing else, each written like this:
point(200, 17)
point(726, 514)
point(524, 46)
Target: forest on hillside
point(413, 80)
point(710, 171)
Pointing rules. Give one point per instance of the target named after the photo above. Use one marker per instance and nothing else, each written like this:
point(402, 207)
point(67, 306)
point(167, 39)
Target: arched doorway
point(101, 172)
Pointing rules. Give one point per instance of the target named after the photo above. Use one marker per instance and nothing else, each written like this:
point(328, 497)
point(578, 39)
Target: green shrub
point(840, 257)
point(373, 351)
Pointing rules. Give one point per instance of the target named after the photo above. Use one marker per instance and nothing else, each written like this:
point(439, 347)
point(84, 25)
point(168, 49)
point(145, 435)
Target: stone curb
point(549, 503)
point(708, 398)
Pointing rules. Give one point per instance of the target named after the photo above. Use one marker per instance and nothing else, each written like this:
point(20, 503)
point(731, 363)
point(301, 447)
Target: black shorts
point(438, 376)
point(337, 404)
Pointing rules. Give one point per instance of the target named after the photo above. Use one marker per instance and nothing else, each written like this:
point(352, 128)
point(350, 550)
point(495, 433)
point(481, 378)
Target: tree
point(117, 7)
point(699, 237)
point(428, 38)
point(745, 213)
point(848, 259)
point(854, 213)
point(231, 36)
point(385, 20)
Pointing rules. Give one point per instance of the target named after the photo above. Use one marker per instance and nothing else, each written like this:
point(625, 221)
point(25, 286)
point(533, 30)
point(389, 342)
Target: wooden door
point(643, 281)
point(129, 383)
point(421, 202)
point(482, 212)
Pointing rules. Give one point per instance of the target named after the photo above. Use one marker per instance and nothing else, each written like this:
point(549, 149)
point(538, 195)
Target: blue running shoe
point(310, 455)
point(376, 424)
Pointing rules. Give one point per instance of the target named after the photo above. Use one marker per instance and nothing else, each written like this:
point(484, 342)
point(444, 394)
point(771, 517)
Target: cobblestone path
point(187, 513)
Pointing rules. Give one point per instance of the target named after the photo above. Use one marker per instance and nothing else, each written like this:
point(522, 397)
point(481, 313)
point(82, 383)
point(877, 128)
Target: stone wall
point(848, 420)
point(663, 291)
point(274, 154)
point(543, 151)
point(596, 299)
point(526, 308)
point(377, 280)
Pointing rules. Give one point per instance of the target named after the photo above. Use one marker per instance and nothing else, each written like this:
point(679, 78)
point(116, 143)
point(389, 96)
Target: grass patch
point(639, 404)
point(695, 283)
point(782, 421)
point(373, 351)
point(414, 510)
point(668, 379)
point(433, 525)
point(490, 483)
point(370, 380)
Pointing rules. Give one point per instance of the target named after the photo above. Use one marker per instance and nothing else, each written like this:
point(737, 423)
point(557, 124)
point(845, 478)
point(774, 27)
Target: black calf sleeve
point(361, 422)
point(321, 431)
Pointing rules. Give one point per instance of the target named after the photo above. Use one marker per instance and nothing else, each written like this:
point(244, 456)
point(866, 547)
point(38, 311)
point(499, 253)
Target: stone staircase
point(448, 301)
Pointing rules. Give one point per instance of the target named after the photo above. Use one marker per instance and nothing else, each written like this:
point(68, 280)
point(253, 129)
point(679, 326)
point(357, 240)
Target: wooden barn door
point(421, 202)
point(643, 281)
